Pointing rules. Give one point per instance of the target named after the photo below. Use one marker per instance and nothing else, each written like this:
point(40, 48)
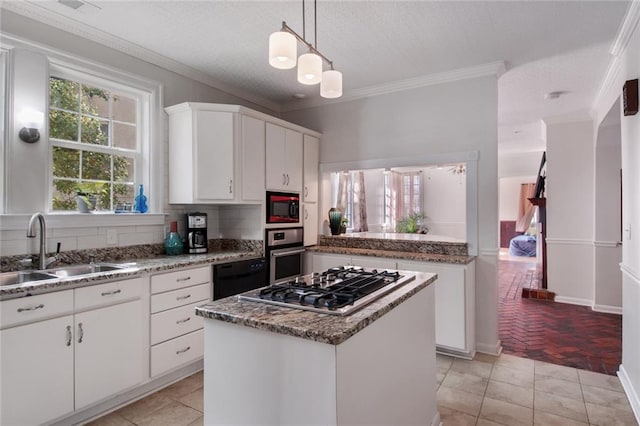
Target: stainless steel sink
point(71, 271)
point(19, 277)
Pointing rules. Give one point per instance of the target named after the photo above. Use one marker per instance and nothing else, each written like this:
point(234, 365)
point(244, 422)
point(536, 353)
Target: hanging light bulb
point(282, 50)
point(331, 84)
point(309, 68)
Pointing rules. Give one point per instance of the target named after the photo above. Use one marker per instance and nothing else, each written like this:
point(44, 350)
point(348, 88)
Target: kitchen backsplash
point(122, 254)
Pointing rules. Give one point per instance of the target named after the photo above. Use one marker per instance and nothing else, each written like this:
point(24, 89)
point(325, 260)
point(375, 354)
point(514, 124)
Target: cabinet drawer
point(35, 308)
point(175, 322)
point(180, 279)
point(107, 294)
point(184, 296)
point(181, 350)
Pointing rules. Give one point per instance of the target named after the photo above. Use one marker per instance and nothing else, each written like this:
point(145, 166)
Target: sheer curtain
point(525, 208)
point(351, 200)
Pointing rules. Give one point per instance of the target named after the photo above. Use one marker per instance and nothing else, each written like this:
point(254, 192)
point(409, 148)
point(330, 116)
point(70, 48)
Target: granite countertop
point(324, 328)
point(394, 254)
point(135, 268)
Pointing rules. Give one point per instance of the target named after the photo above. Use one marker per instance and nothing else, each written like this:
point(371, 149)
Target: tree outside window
point(94, 137)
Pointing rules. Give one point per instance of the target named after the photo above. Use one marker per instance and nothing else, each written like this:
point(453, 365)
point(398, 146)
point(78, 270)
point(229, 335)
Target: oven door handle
point(287, 253)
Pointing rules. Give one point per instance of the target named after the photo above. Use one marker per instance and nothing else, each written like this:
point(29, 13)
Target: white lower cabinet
point(93, 348)
point(310, 223)
point(109, 348)
point(176, 332)
point(36, 366)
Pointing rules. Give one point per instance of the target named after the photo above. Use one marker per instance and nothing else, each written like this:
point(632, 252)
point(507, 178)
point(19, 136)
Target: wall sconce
point(32, 121)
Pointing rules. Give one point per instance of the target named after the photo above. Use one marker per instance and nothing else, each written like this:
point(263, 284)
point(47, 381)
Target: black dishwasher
point(237, 277)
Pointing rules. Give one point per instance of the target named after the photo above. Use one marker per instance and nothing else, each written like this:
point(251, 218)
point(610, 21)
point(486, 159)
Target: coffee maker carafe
point(197, 233)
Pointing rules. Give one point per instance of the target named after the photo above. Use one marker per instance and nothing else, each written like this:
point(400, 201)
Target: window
point(402, 196)
point(95, 129)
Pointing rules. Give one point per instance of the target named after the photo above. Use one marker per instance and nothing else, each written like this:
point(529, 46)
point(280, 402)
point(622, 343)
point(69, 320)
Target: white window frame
point(4, 103)
point(141, 174)
point(152, 144)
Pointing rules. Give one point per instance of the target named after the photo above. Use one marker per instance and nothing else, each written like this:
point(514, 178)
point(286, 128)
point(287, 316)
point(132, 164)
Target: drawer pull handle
point(69, 337)
point(183, 297)
point(80, 332)
point(181, 351)
point(183, 279)
point(183, 320)
point(32, 308)
point(111, 293)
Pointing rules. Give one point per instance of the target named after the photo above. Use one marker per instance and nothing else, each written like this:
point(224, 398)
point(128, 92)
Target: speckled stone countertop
point(394, 254)
point(324, 328)
point(396, 242)
point(137, 268)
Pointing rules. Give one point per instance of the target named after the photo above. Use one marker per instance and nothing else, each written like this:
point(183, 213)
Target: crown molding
point(625, 31)
point(493, 68)
point(36, 12)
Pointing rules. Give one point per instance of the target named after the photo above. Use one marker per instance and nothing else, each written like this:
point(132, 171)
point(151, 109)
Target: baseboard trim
point(489, 349)
point(574, 301)
point(607, 309)
point(445, 350)
point(632, 395)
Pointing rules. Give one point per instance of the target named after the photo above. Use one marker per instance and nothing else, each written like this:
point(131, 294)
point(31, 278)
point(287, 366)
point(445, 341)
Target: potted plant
point(86, 198)
point(412, 224)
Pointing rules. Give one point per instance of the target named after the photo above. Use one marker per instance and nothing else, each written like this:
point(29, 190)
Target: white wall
point(570, 193)
point(510, 195)
point(607, 251)
point(28, 161)
point(519, 164)
point(627, 67)
point(445, 202)
point(453, 117)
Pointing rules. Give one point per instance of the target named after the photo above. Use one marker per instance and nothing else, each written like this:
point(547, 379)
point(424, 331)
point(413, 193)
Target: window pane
point(95, 131)
point(124, 136)
point(63, 94)
point(96, 166)
point(95, 101)
point(64, 194)
point(103, 192)
point(66, 162)
point(124, 109)
point(123, 194)
point(63, 125)
point(123, 169)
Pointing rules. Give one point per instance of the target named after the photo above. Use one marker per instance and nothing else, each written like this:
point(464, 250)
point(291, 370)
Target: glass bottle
point(173, 243)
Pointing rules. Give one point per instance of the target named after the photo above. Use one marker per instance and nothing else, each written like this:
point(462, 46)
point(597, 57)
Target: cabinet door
point(451, 315)
point(213, 156)
point(293, 160)
point(275, 157)
point(36, 365)
point(311, 159)
point(310, 223)
point(109, 351)
point(253, 159)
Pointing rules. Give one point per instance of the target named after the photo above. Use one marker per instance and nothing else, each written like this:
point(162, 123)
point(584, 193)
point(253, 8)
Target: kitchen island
point(272, 365)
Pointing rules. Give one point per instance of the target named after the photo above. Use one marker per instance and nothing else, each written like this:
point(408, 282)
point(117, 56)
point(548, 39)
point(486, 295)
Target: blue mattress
point(523, 245)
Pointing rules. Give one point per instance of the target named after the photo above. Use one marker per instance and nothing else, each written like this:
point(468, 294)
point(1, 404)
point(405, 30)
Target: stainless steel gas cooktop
point(336, 291)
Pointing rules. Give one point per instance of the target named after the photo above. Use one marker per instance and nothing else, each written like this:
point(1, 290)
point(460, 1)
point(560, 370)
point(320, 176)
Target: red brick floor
point(554, 332)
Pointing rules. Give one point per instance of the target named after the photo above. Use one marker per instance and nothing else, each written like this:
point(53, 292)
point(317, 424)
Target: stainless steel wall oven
point(284, 253)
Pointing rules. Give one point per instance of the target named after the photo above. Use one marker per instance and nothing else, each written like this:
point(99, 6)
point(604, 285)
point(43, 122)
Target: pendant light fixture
point(283, 51)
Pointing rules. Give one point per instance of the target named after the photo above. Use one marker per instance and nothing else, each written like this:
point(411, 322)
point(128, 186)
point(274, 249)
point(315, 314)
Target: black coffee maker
point(197, 233)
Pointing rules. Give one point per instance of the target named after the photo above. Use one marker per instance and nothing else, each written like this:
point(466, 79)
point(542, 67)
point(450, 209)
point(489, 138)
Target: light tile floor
point(508, 390)
point(487, 391)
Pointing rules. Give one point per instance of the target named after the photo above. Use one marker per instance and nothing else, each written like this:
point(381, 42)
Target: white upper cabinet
point(284, 159)
point(253, 159)
point(311, 160)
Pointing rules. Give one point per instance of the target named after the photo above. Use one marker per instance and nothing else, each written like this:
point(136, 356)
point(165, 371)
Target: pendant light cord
point(304, 32)
point(315, 24)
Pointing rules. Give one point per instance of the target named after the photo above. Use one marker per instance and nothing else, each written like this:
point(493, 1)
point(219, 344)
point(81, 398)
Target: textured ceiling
point(547, 46)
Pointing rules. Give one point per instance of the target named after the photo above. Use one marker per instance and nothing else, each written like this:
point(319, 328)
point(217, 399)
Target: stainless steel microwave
point(283, 207)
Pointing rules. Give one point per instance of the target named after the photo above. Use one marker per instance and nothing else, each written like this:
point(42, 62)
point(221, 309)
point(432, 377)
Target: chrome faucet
point(31, 233)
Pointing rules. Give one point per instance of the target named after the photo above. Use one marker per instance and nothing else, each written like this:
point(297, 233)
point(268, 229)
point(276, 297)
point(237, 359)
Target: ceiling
point(546, 46)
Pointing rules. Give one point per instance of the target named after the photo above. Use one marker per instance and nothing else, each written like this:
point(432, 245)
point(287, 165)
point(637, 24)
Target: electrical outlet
point(112, 236)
